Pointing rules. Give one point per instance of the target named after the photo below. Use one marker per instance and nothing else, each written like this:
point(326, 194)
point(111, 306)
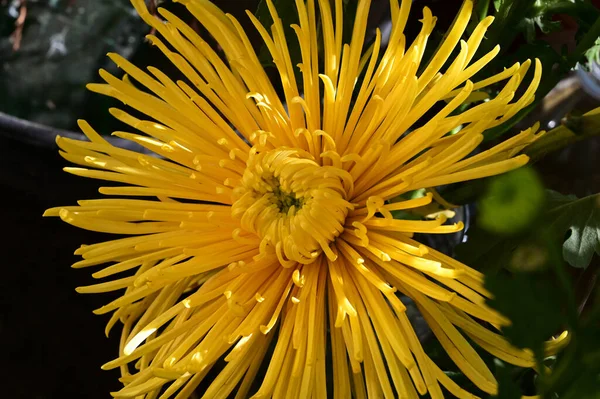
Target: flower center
point(285, 200)
point(296, 206)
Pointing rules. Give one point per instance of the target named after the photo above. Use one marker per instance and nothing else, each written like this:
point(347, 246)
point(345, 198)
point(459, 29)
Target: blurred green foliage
point(512, 201)
point(569, 222)
point(539, 307)
point(529, 273)
point(530, 301)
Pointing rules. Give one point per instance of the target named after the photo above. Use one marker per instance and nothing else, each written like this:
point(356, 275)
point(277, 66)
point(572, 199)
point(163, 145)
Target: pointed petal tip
point(50, 213)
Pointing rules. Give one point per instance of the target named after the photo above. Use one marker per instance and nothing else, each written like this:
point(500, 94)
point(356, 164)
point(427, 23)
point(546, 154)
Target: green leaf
point(498, 4)
point(536, 306)
point(584, 240)
point(529, 300)
point(507, 387)
point(593, 54)
point(576, 374)
point(491, 252)
point(481, 8)
point(556, 199)
point(580, 217)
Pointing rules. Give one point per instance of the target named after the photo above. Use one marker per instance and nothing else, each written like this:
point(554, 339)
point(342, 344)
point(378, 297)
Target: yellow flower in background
point(267, 241)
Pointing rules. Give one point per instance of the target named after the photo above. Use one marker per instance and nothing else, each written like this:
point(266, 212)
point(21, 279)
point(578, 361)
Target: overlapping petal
point(261, 233)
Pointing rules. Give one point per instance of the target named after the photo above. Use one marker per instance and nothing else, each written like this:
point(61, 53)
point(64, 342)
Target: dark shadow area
point(52, 344)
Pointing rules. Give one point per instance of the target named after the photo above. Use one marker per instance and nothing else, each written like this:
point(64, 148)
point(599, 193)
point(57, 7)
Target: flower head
point(262, 233)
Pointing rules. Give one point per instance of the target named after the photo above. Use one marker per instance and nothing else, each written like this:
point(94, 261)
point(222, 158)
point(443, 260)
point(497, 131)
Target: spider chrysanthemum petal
point(262, 233)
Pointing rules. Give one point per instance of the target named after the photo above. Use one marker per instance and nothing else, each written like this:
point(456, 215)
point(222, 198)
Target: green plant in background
point(556, 232)
point(533, 261)
point(533, 21)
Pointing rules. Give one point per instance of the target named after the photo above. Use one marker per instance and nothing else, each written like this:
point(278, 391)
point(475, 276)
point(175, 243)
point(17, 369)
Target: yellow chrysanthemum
point(267, 240)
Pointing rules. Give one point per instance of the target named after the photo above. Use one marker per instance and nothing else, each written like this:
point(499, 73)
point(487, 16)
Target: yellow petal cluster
point(260, 233)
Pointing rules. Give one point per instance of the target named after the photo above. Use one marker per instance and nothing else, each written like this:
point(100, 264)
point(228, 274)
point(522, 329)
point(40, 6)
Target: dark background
point(52, 345)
